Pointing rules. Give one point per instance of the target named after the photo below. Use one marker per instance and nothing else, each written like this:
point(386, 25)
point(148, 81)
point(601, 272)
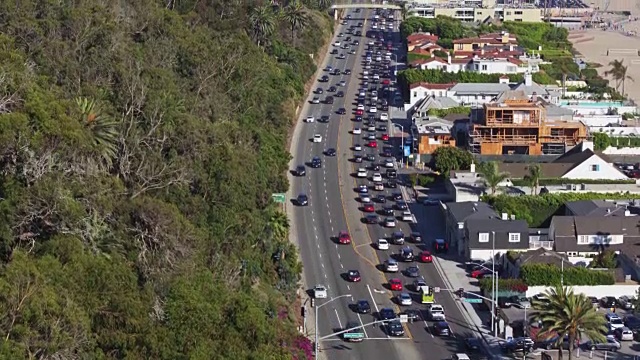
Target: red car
point(385, 137)
point(395, 284)
point(354, 275)
point(386, 82)
point(425, 256)
point(372, 144)
point(479, 273)
point(359, 112)
point(344, 237)
point(369, 208)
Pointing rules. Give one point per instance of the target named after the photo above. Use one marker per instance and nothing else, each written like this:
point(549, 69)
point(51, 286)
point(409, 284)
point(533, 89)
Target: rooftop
point(433, 126)
point(427, 85)
point(461, 211)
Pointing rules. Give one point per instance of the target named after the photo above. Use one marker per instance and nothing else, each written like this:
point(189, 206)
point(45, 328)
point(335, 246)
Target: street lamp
point(395, 64)
point(494, 326)
point(401, 145)
point(315, 346)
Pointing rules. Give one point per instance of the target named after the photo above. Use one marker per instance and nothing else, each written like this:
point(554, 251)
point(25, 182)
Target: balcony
point(547, 245)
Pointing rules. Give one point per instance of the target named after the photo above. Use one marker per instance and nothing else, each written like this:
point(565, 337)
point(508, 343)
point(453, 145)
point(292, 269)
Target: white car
point(316, 100)
point(406, 216)
point(365, 199)
point(390, 222)
point(378, 186)
point(320, 292)
point(356, 131)
point(357, 147)
point(362, 173)
point(614, 321)
point(377, 177)
point(383, 244)
point(360, 107)
point(384, 116)
point(388, 164)
point(391, 265)
point(624, 334)
point(342, 83)
point(309, 119)
point(373, 109)
point(436, 312)
point(371, 128)
point(405, 299)
point(317, 138)
point(337, 43)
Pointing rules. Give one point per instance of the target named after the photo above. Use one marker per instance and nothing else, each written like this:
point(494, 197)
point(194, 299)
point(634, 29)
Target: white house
point(421, 90)
point(480, 64)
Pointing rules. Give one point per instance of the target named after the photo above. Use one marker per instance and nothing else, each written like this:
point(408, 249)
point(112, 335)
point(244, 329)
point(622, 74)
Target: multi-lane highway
point(335, 206)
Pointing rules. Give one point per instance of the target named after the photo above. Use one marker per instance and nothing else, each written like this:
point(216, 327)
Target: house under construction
point(520, 126)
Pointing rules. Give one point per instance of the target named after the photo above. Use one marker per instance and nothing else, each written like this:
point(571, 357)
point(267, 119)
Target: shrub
point(551, 275)
point(515, 285)
point(561, 181)
point(465, 110)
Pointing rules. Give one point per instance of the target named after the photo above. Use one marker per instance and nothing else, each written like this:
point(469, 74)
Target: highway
point(334, 207)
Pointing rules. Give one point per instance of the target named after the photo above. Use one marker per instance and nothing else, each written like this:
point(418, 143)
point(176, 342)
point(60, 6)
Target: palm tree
point(404, 11)
point(296, 15)
point(533, 178)
point(492, 175)
point(567, 314)
point(103, 129)
point(324, 4)
point(619, 73)
point(263, 23)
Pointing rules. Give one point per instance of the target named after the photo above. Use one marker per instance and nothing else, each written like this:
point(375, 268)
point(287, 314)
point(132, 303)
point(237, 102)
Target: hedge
point(561, 181)
point(551, 275)
point(537, 210)
point(464, 110)
point(515, 285)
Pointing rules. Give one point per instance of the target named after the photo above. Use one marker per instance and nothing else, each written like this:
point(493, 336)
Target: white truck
point(436, 312)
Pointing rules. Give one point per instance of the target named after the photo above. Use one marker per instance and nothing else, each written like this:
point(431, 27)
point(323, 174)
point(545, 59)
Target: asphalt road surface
point(334, 206)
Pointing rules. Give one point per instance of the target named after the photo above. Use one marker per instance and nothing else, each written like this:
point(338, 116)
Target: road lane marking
point(342, 266)
point(363, 327)
point(426, 326)
point(337, 316)
point(349, 288)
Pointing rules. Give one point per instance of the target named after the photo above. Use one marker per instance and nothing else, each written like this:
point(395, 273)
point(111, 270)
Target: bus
point(427, 296)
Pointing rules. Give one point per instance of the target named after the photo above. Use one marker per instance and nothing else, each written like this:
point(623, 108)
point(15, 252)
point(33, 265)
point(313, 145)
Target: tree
point(103, 129)
point(618, 72)
point(601, 140)
point(567, 314)
point(492, 175)
point(404, 10)
point(606, 259)
point(296, 16)
point(533, 178)
point(449, 158)
point(263, 23)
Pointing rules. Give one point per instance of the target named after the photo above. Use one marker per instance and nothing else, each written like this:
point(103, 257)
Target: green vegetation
point(410, 76)
point(605, 260)
point(447, 29)
point(602, 140)
point(423, 180)
point(140, 155)
point(491, 175)
point(570, 315)
point(537, 209)
point(464, 110)
point(552, 275)
point(447, 158)
point(561, 181)
point(504, 285)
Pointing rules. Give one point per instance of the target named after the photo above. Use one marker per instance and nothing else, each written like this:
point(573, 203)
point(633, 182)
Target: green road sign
point(473, 300)
point(279, 197)
point(350, 335)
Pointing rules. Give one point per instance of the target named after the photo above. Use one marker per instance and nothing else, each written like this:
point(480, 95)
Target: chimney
point(482, 51)
point(534, 96)
point(472, 168)
point(528, 80)
point(448, 58)
point(513, 216)
point(586, 145)
point(505, 216)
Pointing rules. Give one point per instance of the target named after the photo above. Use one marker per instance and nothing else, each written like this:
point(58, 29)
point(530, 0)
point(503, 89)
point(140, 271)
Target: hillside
point(140, 143)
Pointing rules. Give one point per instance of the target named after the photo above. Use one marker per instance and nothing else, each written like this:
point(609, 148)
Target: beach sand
point(616, 5)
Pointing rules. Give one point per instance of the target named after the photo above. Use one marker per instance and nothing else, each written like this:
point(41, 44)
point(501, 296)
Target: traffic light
point(460, 292)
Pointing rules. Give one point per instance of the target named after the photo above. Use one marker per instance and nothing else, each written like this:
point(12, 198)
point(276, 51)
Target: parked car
point(608, 302)
point(611, 344)
point(623, 334)
point(522, 344)
point(625, 302)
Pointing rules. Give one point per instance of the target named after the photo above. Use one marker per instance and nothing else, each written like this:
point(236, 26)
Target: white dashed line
point(349, 288)
point(325, 276)
point(322, 265)
point(342, 266)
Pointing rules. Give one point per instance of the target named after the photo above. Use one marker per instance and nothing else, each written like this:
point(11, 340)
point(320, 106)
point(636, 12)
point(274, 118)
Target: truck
point(436, 312)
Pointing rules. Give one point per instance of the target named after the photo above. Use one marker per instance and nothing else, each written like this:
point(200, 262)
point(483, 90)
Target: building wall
point(419, 93)
point(472, 13)
point(495, 67)
point(598, 291)
point(428, 144)
point(595, 168)
point(523, 15)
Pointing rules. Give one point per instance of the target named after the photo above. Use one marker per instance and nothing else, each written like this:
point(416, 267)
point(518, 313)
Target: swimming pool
point(598, 104)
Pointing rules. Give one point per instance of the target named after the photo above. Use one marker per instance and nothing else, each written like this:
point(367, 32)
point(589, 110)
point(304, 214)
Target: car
point(412, 271)
point(324, 119)
point(611, 344)
point(380, 198)
point(415, 237)
point(377, 177)
point(382, 244)
point(317, 138)
point(354, 275)
point(365, 198)
point(406, 254)
point(387, 153)
point(328, 100)
point(390, 222)
point(391, 183)
point(608, 302)
point(480, 273)
point(419, 285)
point(300, 170)
point(425, 257)
point(341, 56)
point(407, 216)
point(391, 265)
point(371, 157)
point(395, 284)
point(356, 131)
point(632, 322)
point(357, 118)
point(378, 186)
point(362, 173)
point(340, 93)
point(401, 205)
point(302, 200)
point(387, 210)
point(384, 116)
point(330, 152)
point(363, 189)
point(397, 237)
point(363, 307)
point(460, 356)
point(324, 78)
point(614, 321)
point(436, 312)
point(625, 302)
point(430, 202)
point(472, 344)
point(368, 208)
point(413, 315)
point(309, 119)
point(357, 158)
point(315, 100)
point(521, 344)
point(441, 328)
point(384, 137)
point(395, 328)
point(344, 237)
point(623, 334)
point(320, 292)
point(341, 111)
point(374, 167)
point(440, 246)
point(386, 314)
point(359, 112)
point(357, 147)
point(346, 72)
point(371, 219)
point(520, 302)
point(371, 137)
point(316, 162)
point(372, 144)
point(404, 299)
point(388, 163)
point(319, 90)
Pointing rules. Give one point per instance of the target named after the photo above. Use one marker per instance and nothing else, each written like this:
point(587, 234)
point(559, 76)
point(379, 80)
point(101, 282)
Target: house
point(421, 90)
point(493, 39)
point(512, 263)
point(419, 40)
point(486, 64)
point(599, 208)
point(421, 109)
point(576, 164)
point(482, 93)
point(432, 133)
point(485, 238)
point(457, 213)
point(432, 63)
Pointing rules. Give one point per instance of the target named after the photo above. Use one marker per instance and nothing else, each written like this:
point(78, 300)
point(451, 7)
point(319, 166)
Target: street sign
point(407, 150)
point(436, 289)
point(279, 197)
point(473, 300)
point(404, 318)
point(353, 335)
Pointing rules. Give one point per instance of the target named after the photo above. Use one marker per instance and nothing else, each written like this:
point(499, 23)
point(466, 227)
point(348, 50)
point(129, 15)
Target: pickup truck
point(436, 312)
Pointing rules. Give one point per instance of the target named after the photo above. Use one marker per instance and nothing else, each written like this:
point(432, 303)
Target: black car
point(522, 344)
point(391, 173)
point(363, 307)
point(441, 328)
point(301, 170)
point(358, 118)
point(391, 183)
point(330, 152)
point(340, 93)
point(346, 72)
point(412, 272)
point(370, 157)
point(354, 275)
point(396, 195)
point(387, 314)
point(332, 89)
point(357, 158)
point(371, 219)
point(328, 100)
point(387, 210)
point(412, 315)
point(385, 108)
point(333, 51)
point(382, 128)
point(316, 162)
point(406, 253)
point(608, 302)
point(395, 328)
point(335, 72)
point(324, 119)
point(440, 246)
point(302, 200)
point(416, 237)
point(401, 205)
point(342, 111)
point(386, 153)
point(319, 91)
point(472, 344)
point(380, 198)
point(324, 78)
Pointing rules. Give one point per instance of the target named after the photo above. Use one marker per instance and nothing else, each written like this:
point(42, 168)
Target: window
point(483, 237)
point(415, 94)
point(595, 167)
point(508, 12)
point(514, 237)
point(572, 253)
point(484, 67)
point(518, 12)
point(516, 20)
point(460, 46)
point(583, 239)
